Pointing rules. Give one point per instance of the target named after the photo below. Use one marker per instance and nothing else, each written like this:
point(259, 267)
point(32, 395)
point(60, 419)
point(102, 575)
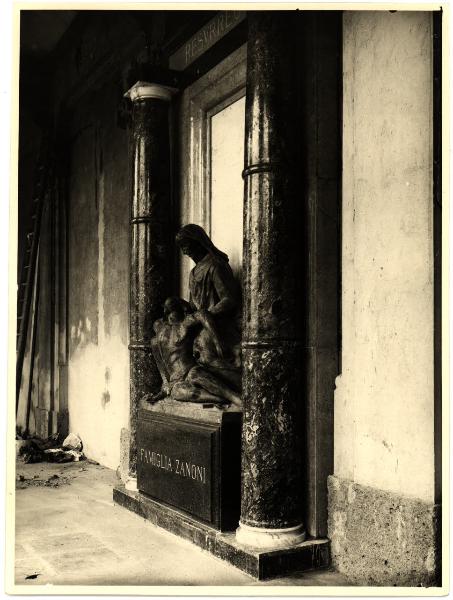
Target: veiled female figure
point(213, 288)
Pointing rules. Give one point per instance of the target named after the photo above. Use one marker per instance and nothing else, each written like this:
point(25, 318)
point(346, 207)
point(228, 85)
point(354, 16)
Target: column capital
point(145, 90)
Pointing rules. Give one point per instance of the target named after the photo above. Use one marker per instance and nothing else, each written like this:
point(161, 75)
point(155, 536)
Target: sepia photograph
point(226, 247)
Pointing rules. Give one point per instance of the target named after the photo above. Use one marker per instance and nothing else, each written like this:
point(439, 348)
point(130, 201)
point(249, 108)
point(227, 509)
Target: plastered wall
point(384, 405)
point(98, 279)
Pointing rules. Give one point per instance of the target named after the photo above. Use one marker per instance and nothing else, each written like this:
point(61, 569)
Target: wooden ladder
point(29, 264)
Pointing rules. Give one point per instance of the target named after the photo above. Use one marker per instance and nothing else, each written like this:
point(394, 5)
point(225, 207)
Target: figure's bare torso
point(175, 341)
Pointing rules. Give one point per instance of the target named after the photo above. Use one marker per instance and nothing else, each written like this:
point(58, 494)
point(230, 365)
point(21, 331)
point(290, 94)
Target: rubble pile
point(53, 449)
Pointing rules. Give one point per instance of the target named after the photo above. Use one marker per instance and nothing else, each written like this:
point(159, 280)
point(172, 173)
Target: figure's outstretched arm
point(204, 318)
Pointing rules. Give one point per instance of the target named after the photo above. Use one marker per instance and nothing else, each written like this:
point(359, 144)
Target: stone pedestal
point(172, 433)
point(260, 564)
point(189, 457)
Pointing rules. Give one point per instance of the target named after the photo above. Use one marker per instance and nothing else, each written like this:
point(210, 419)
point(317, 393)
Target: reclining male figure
point(182, 378)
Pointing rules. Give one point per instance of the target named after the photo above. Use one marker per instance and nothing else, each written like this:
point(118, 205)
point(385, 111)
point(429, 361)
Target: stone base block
point(124, 455)
point(379, 538)
point(191, 463)
point(261, 564)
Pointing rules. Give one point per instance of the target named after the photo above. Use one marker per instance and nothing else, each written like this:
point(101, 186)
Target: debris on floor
point(35, 450)
point(59, 455)
point(54, 481)
point(73, 442)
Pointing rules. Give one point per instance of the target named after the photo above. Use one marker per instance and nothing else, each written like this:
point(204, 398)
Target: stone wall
point(384, 401)
point(382, 538)
point(86, 100)
point(98, 277)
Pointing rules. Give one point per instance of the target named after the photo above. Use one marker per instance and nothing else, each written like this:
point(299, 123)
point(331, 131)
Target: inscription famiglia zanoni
point(177, 466)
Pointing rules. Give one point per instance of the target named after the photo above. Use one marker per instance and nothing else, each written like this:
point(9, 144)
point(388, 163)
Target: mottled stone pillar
point(271, 513)
point(151, 243)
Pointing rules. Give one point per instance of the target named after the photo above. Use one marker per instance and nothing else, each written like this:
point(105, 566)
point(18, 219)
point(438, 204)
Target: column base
point(259, 563)
point(131, 484)
point(271, 539)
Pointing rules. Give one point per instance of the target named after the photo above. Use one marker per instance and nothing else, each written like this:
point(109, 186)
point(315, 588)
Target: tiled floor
point(71, 533)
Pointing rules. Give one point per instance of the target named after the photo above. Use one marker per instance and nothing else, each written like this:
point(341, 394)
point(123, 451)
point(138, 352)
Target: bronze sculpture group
point(197, 343)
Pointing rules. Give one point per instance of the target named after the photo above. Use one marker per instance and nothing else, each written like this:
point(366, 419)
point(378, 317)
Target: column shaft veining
point(151, 243)
point(271, 513)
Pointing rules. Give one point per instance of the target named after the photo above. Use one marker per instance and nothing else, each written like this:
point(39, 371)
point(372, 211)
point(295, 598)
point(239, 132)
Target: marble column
point(273, 275)
point(151, 241)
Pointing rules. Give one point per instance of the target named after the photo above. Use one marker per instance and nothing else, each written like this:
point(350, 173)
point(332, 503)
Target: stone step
point(260, 564)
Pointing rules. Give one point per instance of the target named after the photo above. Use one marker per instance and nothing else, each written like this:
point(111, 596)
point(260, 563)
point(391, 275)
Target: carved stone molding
point(143, 90)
